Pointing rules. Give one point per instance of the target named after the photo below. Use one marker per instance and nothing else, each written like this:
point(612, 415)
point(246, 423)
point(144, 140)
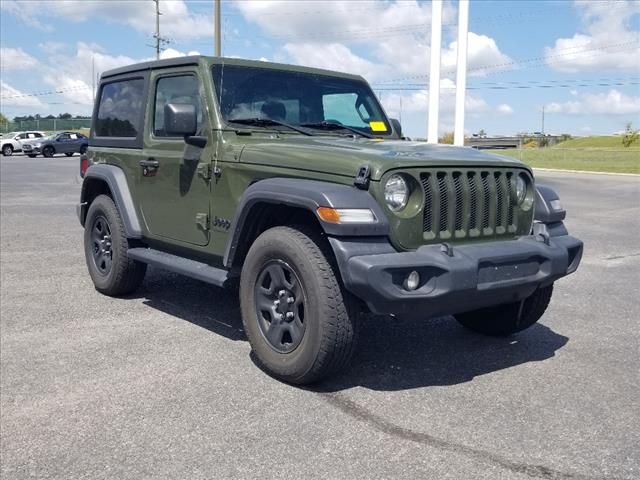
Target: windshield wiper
point(335, 126)
point(265, 122)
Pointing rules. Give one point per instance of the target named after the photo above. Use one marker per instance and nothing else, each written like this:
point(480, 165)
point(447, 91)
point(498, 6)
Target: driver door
point(175, 195)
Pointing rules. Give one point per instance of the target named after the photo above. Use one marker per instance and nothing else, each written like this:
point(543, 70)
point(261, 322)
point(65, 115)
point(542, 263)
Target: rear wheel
point(48, 152)
point(7, 150)
point(295, 313)
point(105, 248)
point(69, 154)
point(507, 319)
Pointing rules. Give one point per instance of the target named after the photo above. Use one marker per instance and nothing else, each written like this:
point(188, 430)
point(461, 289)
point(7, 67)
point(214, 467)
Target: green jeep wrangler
point(293, 183)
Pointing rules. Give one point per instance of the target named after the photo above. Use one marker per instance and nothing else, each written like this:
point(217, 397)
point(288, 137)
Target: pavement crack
point(618, 257)
point(354, 410)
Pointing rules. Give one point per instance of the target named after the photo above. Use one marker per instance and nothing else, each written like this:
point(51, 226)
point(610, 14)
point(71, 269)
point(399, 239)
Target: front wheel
point(296, 315)
point(510, 318)
point(7, 150)
point(105, 249)
point(48, 152)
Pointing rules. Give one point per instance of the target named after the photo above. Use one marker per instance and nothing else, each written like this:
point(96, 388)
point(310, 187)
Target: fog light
point(412, 281)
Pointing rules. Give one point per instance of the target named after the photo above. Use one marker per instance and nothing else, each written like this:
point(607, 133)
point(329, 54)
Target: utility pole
point(461, 74)
point(160, 41)
point(434, 74)
point(542, 131)
point(217, 30)
point(93, 76)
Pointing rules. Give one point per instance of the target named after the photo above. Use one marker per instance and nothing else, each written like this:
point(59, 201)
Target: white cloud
point(52, 47)
point(332, 56)
point(610, 103)
point(504, 109)
point(176, 20)
point(173, 53)
point(607, 42)
point(16, 59)
point(11, 96)
point(395, 36)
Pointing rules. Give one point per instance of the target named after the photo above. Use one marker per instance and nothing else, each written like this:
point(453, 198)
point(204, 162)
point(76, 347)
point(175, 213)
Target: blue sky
point(580, 59)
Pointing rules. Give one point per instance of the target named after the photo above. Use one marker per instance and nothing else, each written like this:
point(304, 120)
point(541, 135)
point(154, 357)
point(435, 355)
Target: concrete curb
point(586, 171)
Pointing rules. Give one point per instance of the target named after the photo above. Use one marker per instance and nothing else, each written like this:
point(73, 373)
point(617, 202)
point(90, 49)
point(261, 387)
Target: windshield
point(302, 99)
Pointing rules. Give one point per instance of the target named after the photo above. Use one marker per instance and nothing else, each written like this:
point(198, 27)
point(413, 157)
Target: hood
point(344, 155)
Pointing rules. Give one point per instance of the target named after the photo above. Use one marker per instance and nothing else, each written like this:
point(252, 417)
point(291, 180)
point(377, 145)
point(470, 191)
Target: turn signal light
point(346, 215)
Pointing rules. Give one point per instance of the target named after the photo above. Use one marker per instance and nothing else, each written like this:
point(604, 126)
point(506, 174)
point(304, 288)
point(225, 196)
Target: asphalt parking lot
point(161, 384)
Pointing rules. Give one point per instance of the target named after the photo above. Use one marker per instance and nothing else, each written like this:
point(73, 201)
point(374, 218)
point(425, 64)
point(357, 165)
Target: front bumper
point(455, 279)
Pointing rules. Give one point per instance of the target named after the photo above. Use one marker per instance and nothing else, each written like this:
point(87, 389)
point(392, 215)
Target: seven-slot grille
point(462, 203)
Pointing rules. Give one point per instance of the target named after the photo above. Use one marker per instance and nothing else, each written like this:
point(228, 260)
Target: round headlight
point(396, 192)
point(521, 189)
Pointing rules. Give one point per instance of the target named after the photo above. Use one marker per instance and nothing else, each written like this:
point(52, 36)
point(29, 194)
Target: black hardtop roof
point(195, 60)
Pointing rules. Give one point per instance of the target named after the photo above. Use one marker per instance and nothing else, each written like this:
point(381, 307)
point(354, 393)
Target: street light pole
point(461, 75)
point(217, 22)
point(434, 74)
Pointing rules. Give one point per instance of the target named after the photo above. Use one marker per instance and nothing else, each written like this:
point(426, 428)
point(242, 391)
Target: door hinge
point(204, 170)
point(202, 220)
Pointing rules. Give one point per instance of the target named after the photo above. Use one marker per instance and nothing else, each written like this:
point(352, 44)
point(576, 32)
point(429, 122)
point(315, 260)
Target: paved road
point(161, 384)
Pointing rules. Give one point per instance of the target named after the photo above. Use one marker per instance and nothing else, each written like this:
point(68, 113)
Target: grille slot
point(468, 203)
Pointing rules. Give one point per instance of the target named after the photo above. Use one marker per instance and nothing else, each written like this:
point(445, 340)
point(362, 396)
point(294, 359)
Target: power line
point(512, 87)
point(543, 59)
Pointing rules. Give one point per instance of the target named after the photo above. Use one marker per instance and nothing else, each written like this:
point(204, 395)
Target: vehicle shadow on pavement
point(392, 354)
point(399, 354)
point(206, 306)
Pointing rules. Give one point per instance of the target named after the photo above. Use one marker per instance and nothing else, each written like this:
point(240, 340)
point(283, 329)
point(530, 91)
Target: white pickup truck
point(12, 142)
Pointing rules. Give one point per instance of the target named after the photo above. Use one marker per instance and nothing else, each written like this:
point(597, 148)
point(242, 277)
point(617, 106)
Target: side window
point(73, 136)
point(22, 136)
point(38, 135)
point(342, 107)
point(181, 89)
point(120, 108)
point(31, 135)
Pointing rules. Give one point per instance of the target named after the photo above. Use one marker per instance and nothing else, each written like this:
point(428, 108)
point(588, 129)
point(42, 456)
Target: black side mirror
point(180, 119)
point(395, 123)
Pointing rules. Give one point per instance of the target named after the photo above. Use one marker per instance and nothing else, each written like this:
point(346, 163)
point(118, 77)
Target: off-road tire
point(330, 319)
point(125, 275)
point(7, 150)
point(503, 320)
point(69, 154)
point(48, 152)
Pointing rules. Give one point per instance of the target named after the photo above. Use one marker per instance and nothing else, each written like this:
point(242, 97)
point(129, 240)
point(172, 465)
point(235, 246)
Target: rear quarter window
point(120, 108)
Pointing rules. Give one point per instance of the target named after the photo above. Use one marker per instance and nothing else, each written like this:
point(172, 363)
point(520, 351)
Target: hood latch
point(362, 177)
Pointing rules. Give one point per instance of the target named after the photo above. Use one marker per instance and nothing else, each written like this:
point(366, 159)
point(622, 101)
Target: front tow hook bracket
point(541, 233)
point(447, 249)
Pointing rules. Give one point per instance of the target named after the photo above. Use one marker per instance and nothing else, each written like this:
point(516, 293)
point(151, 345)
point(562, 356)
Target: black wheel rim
point(101, 247)
point(280, 306)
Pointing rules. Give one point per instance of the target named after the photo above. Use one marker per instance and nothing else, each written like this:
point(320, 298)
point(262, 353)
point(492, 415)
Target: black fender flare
point(309, 195)
point(116, 180)
point(545, 210)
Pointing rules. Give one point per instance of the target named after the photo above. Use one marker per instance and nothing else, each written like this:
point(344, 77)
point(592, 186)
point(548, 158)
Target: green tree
point(630, 136)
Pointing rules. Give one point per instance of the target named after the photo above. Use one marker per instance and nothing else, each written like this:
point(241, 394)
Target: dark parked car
point(65, 142)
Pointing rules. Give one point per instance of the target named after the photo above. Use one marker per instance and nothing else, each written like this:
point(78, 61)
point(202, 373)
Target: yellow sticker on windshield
point(378, 126)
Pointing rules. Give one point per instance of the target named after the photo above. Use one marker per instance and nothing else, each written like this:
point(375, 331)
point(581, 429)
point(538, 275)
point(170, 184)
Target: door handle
point(152, 163)
point(149, 167)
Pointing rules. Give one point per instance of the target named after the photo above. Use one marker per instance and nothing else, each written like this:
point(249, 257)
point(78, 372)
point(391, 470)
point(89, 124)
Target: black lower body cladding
point(458, 278)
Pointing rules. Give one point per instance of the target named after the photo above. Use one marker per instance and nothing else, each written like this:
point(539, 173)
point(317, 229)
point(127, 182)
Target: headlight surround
point(521, 188)
point(396, 192)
